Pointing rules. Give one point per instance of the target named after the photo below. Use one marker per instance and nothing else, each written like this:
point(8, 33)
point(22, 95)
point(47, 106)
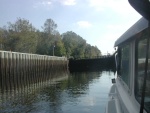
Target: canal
point(84, 92)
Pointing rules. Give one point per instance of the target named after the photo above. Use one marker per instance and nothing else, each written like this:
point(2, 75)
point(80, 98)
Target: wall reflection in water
point(22, 96)
point(60, 95)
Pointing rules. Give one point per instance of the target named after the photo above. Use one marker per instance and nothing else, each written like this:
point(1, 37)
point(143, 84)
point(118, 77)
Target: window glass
point(140, 72)
point(125, 63)
point(141, 57)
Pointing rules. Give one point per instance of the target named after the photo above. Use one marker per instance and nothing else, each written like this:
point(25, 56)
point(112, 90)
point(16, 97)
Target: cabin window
point(140, 62)
point(125, 63)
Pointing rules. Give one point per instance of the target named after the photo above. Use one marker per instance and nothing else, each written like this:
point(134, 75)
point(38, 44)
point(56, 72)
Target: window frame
point(124, 83)
point(137, 41)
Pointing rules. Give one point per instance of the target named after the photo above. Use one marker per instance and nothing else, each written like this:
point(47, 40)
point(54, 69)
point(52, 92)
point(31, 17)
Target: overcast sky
point(99, 22)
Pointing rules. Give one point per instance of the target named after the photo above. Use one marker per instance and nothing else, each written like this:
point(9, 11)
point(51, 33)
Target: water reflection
point(78, 92)
point(23, 98)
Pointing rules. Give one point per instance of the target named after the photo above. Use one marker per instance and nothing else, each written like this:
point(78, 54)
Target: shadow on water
point(64, 93)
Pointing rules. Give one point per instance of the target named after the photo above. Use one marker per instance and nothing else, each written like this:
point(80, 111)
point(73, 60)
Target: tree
point(59, 46)
point(49, 26)
point(50, 40)
point(92, 51)
point(21, 25)
point(3, 36)
point(74, 44)
point(21, 36)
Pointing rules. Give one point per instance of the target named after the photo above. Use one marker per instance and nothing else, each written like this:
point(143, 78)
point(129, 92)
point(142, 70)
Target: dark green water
point(85, 92)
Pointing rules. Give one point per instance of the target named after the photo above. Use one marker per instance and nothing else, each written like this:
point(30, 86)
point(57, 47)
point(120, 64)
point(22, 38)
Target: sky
point(99, 22)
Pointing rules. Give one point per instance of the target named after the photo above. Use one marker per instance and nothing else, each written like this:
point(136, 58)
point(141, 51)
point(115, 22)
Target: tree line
point(22, 36)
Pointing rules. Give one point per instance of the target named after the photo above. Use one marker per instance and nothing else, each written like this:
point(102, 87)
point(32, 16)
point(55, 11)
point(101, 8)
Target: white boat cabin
point(130, 92)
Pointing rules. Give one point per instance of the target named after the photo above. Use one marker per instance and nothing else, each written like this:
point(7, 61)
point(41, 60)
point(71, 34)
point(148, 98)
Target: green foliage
point(49, 26)
point(3, 35)
point(22, 36)
point(76, 46)
point(59, 47)
point(21, 25)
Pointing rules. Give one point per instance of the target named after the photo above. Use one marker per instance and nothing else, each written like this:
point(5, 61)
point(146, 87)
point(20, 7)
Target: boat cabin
point(133, 65)
point(130, 92)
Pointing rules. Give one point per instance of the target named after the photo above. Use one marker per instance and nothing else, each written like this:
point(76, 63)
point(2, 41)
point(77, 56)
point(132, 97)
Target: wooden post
point(10, 70)
point(14, 69)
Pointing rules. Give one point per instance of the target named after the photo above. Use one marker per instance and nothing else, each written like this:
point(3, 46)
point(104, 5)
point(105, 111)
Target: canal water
point(84, 92)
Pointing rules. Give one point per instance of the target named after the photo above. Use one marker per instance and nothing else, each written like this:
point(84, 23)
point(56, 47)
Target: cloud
point(48, 3)
point(118, 6)
point(97, 4)
point(84, 24)
point(68, 2)
point(44, 3)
